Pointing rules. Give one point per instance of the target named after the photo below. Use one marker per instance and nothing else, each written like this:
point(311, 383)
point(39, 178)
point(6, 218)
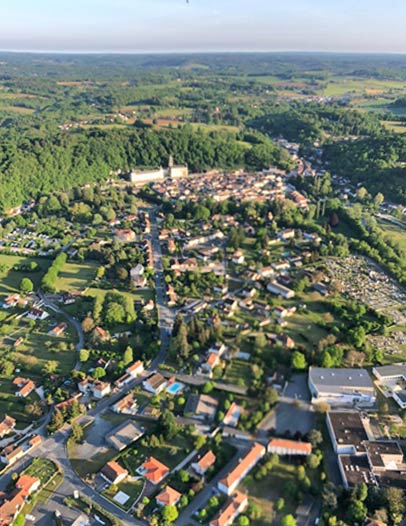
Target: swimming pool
point(175, 388)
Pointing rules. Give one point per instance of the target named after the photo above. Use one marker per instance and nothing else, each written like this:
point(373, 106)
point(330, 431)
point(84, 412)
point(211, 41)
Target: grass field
point(264, 493)
point(10, 279)
point(144, 295)
point(76, 277)
point(394, 126)
point(215, 127)
point(238, 372)
point(395, 232)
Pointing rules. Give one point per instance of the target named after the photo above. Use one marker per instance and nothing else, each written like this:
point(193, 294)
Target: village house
point(238, 258)
point(212, 361)
point(134, 370)
point(286, 235)
point(126, 406)
point(58, 330)
point(25, 387)
point(155, 383)
point(14, 300)
point(125, 236)
point(203, 462)
point(168, 497)
point(153, 470)
point(37, 314)
point(96, 388)
point(137, 276)
point(284, 312)
point(201, 407)
point(11, 453)
point(280, 290)
point(113, 473)
point(233, 507)
point(11, 504)
point(100, 334)
point(230, 482)
point(233, 415)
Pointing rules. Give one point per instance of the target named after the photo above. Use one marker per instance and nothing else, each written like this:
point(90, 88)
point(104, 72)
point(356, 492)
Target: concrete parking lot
point(293, 414)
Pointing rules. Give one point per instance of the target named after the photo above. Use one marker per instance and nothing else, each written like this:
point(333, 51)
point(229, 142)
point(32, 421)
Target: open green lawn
point(132, 488)
point(39, 347)
point(13, 406)
point(215, 127)
point(238, 372)
point(144, 294)
point(85, 466)
point(76, 276)
point(170, 453)
point(394, 126)
point(304, 326)
point(10, 279)
point(395, 232)
point(264, 493)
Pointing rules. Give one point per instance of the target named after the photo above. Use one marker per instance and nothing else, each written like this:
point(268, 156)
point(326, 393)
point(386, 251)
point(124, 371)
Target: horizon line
point(197, 52)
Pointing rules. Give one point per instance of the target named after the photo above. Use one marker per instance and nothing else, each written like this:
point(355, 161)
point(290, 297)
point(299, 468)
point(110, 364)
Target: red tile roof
point(168, 497)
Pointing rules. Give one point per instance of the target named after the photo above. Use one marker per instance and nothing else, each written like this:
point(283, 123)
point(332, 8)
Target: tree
point(271, 396)
point(280, 504)
point(356, 512)
point(88, 324)
point(128, 355)
point(315, 437)
point(77, 432)
point(298, 361)
point(168, 425)
point(50, 367)
point(99, 373)
point(396, 506)
point(378, 199)
point(169, 514)
point(208, 387)
point(361, 193)
point(288, 520)
point(243, 520)
point(33, 409)
point(313, 461)
point(115, 314)
point(84, 355)
point(26, 286)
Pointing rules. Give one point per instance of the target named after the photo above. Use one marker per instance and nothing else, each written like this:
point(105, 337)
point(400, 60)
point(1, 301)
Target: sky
point(203, 25)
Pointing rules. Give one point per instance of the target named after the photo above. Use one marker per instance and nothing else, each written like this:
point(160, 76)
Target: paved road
point(166, 316)
point(201, 498)
point(54, 447)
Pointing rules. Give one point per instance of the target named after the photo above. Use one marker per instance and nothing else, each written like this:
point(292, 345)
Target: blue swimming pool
point(175, 388)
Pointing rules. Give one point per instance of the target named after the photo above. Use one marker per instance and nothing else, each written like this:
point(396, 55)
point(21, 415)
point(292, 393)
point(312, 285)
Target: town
point(183, 348)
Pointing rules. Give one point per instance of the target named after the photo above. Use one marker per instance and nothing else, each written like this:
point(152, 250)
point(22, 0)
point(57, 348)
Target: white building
point(341, 387)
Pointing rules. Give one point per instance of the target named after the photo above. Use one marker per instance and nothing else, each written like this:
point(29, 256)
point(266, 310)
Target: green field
point(394, 232)
point(238, 372)
point(141, 295)
point(76, 277)
point(10, 279)
point(264, 493)
point(394, 126)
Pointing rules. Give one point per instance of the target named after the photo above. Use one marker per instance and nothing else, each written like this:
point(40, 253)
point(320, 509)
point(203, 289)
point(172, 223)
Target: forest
point(67, 120)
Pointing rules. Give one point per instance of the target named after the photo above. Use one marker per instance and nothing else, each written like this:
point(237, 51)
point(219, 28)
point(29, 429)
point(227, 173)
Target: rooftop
point(339, 380)
point(348, 429)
